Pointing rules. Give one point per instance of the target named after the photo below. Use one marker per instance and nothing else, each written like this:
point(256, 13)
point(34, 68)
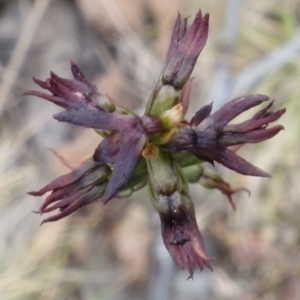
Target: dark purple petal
point(203, 155)
point(54, 99)
point(230, 110)
point(72, 94)
point(66, 179)
point(175, 38)
point(255, 122)
point(193, 32)
point(98, 119)
point(186, 95)
point(264, 111)
point(107, 151)
point(181, 234)
point(191, 49)
point(254, 136)
point(64, 201)
point(181, 60)
point(78, 75)
point(201, 114)
point(91, 178)
point(75, 93)
point(133, 143)
point(91, 195)
point(236, 163)
point(44, 84)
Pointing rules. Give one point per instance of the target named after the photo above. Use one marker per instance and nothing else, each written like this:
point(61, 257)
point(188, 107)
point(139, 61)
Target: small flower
point(180, 232)
point(75, 94)
point(185, 47)
point(70, 192)
point(208, 136)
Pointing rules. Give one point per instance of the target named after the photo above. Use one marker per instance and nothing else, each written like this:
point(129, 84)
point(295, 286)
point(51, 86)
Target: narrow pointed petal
point(255, 123)
point(180, 232)
point(187, 89)
point(107, 151)
point(43, 84)
point(93, 194)
point(180, 63)
point(71, 92)
point(54, 99)
point(98, 119)
point(69, 85)
point(203, 155)
point(65, 201)
point(78, 75)
point(191, 54)
point(201, 114)
point(55, 196)
point(191, 32)
point(254, 136)
point(264, 111)
point(130, 152)
point(236, 163)
point(175, 37)
point(232, 109)
point(66, 179)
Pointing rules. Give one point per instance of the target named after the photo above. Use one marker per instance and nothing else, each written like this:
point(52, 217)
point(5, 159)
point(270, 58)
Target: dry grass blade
point(17, 58)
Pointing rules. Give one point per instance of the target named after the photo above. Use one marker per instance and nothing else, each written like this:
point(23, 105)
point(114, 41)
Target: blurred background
point(116, 252)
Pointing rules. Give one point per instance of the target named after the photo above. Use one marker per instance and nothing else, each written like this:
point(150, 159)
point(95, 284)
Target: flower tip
point(43, 222)
point(260, 97)
point(105, 199)
point(205, 19)
point(28, 93)
point(35, 80)
point(34, 193)
point(40, 83)
point(266, 175)
point(199, 14)
point(77, 73)
point(247, 191)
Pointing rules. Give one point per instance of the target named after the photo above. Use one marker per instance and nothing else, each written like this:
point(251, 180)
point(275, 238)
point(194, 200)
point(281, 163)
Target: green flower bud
point(104, 103)
point(193, 173)
point(162, 99)
point(173, 117)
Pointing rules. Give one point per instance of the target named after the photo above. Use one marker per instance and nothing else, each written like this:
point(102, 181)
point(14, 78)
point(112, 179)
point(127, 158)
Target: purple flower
point(180, 232)
point(208, 136)
point(71, 191)
point(77, 94)
point(185, 47)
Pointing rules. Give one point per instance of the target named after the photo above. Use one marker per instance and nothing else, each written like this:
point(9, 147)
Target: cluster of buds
point(159, 149)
